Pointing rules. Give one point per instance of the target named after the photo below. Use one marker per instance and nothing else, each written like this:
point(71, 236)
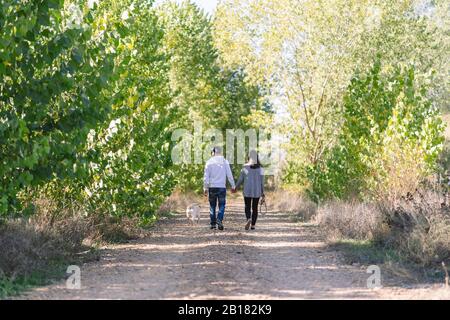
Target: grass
point(348, 220)
point(35, 252)
point(178, 202)
point(10, 287)
point(299, 207)
point(39, 248)
point(365, 252)
point(410, 238)
point(55, 270)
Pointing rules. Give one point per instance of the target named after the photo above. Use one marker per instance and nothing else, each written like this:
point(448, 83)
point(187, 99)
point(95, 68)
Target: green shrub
point(390, 139)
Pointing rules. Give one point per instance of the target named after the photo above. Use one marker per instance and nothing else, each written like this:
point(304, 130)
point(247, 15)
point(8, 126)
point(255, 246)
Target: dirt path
point(281, 259)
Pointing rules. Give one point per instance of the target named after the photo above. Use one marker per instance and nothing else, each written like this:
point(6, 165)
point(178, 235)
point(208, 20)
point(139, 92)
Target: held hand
point(233, 190)
point(205, 193)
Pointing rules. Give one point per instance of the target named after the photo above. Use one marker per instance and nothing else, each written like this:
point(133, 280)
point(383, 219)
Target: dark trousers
point(217, 196)
point(251, 209)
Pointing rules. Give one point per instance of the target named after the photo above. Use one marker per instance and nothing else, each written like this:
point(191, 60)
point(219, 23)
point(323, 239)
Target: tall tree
point(53, 68)
point(204, 91)
point(309, 50)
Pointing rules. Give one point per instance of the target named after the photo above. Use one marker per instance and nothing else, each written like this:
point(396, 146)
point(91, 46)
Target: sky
point(207, 5)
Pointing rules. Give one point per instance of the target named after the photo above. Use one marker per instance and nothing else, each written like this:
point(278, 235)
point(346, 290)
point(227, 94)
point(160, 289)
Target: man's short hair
point(217, 149)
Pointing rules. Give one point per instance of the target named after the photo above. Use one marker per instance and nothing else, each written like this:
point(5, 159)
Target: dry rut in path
point(281, 259)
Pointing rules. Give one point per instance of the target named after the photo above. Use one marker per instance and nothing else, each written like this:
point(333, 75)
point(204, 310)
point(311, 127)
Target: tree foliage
point(309, 51)
point(90, 93)
point(206, 92)
point(391, 137)
point(53, 68)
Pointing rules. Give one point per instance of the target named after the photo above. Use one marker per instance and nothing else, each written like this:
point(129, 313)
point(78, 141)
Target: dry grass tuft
point(349, 220)
point(178, 202)
point(416, 226)
point(291, 202)
point(50, 236)
point(30, 246)
point(419, 227)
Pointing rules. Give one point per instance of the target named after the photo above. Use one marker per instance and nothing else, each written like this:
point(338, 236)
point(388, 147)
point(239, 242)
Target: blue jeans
point(217, 195)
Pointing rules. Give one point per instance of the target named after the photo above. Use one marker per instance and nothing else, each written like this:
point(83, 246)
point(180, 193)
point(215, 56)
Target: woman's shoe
point(247, 225)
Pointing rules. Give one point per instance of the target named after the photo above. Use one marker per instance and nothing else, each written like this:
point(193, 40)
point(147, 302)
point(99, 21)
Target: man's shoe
point(213, 226)
point(247, 225)
point(253, 227)
point(220, 225)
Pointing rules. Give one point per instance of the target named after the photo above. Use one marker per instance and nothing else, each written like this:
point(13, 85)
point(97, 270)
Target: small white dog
point(193, 213)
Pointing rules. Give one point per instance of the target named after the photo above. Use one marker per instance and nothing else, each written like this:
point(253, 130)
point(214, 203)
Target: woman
point(252, 176)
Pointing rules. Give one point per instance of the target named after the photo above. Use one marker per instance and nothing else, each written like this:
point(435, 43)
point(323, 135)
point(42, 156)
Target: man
point(217, 170)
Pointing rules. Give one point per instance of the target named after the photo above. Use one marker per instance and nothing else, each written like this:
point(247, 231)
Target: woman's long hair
point(253, 160)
